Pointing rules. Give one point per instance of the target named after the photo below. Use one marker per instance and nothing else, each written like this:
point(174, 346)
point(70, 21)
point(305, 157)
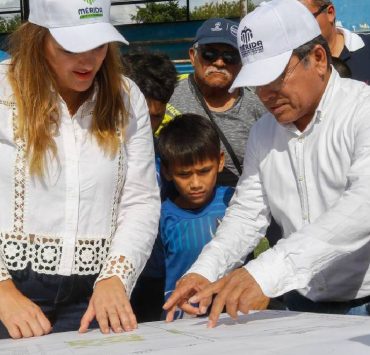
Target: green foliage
point(262, 246)
point(160, 12)
point(9, 25)
point(223, 9)
point(250, 6)
point(171, 11)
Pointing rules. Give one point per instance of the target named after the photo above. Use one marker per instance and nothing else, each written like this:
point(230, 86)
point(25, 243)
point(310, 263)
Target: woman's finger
point(87, 318)
point(44, 322)
point(127, 317)
point(102, 319)
point(114, 320)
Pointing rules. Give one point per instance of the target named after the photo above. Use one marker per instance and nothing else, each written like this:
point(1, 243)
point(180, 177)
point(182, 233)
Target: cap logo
point(234, 30)
point(217, 27)
point(249, 47)
point(90, 12)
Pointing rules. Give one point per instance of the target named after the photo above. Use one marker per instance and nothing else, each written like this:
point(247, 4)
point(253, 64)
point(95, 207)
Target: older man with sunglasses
point(307, 163)
point(216, 62)
point(352, 48)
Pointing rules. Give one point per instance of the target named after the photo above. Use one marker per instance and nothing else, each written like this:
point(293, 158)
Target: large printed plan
point(260, 333)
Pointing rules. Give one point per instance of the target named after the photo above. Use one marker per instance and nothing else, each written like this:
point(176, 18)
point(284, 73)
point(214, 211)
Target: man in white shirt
point(352, 48)
point(307, 163)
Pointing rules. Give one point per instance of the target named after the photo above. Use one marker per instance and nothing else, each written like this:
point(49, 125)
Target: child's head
point(156, 76)
point(189, 148)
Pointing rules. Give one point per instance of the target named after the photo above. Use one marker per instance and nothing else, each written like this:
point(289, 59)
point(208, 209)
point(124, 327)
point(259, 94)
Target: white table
point(267, 332)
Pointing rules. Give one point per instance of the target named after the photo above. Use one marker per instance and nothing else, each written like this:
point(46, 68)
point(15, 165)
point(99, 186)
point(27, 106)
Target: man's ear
point(165, 173)
point(330, 11)
point(320, 59)
point(221, 164)
point(192, 54)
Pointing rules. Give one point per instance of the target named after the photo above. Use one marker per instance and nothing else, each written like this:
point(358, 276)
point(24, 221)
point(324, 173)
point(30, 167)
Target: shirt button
point(300, 139)
point(301, 178)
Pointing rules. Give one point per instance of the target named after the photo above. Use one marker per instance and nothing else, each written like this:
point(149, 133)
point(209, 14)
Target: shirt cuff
point(119, 265)
point(203, 271)
point(4, 273)
point(274, 274)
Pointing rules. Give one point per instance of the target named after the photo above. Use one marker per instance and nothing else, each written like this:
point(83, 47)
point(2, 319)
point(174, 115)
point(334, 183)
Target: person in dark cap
point(216, 62)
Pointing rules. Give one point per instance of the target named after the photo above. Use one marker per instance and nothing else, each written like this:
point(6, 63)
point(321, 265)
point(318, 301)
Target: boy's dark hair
point(188, 139)
point(341, 67)
point(153, 72)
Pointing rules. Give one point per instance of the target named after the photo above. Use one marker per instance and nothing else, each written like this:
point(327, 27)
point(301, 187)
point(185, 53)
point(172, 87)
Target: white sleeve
point(139, 208)
point(342, 230)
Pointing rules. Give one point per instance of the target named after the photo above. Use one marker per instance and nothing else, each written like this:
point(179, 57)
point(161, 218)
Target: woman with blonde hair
point(79, 203)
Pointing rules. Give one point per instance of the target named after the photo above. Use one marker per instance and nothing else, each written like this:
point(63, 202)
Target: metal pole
point(25, 10)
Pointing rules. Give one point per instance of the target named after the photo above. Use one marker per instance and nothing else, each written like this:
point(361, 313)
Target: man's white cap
point(267, 37)
point(77, 25)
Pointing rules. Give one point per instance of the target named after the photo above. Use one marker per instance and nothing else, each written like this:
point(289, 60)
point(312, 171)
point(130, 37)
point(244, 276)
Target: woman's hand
point(21, 317)
point(110, 306)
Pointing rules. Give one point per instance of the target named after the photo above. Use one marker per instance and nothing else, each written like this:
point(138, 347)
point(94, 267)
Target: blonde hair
point(36, 96)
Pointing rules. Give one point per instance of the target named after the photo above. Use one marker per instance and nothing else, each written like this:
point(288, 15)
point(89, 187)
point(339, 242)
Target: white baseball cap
point(77, 25)
point(267, 37)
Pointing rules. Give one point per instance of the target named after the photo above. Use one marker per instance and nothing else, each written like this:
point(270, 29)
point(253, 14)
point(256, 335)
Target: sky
point(8, 4)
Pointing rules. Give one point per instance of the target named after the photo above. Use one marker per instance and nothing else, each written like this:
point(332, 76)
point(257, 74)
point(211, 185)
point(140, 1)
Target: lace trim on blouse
point(118, 265)
point(17, 249)
point(44, 253)
point(121, 267)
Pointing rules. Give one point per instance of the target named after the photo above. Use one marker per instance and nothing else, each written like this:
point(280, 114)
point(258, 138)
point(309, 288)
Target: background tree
point(250, 6)
point(171, 11)
point(9, 24)
point(160, 12)
point(216, 9)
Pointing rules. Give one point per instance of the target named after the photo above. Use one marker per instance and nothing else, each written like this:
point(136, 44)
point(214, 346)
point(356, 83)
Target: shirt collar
point(291, 127)
point(326, 99)
point(351, 40)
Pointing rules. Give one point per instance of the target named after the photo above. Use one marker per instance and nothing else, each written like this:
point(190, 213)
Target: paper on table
point(261, 333)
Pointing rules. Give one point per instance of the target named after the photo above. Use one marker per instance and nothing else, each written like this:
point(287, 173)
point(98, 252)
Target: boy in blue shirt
point(189, 149)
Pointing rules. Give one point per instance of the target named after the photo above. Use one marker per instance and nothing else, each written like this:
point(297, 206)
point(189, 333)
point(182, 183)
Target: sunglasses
point(320, 10)
point(212, 54)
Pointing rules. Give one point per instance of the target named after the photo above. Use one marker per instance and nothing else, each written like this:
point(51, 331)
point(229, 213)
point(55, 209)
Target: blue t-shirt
point(184, 233)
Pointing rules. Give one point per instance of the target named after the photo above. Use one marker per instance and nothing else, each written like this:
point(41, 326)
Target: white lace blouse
point(91, 213)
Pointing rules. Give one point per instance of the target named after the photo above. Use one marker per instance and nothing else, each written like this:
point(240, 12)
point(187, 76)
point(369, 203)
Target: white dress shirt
point(91, 212)
point(352, 40)
point(316, 184)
